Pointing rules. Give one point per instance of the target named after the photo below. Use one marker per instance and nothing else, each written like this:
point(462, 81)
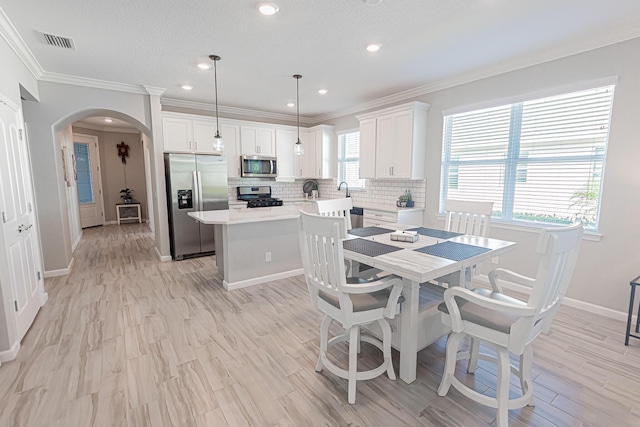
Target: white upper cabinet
point(306, 162)
point(393, 142)
point(285, 139)
point(368, 148)
point(185, 133)
point(260, 141)
point(231, 136)
point(325, 140)
point(178, 134)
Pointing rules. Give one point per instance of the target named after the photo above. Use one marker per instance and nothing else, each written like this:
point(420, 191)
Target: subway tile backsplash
point(376, 191)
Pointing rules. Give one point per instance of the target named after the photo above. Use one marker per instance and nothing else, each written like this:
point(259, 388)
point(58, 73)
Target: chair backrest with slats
point(558, 249)
point(466, 217)
point(336, 207)
point(323, 256)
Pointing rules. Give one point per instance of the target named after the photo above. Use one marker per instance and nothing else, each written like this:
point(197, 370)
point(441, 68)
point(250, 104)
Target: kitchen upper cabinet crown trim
point(415, 105)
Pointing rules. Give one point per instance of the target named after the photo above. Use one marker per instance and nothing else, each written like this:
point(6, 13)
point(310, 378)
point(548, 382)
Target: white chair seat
point(362, 302)
point(483, 316)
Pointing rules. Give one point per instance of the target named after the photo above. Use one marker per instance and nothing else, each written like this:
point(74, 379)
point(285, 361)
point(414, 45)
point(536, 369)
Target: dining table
point(436, 253)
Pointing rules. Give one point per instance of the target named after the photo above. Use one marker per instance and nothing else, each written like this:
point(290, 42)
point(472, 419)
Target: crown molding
point(17, 44)
point(82, 125)
point(245, 112)
point(153, 90)
point(603, 39)
point(94, 83)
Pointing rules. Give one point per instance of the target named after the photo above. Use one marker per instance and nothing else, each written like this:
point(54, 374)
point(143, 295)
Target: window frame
point(517, 165)
point(342, 160)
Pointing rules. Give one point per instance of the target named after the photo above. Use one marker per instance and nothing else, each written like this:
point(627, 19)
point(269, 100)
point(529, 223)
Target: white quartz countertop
point(356, 204)
point(240, 215)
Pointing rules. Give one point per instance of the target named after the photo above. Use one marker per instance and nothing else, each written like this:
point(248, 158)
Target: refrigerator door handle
point(196, 191)
point(200, 201)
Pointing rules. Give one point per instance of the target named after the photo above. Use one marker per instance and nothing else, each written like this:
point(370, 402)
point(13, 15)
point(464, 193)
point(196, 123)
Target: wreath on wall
point(123, 151)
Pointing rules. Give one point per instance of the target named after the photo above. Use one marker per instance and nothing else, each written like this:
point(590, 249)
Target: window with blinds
point(539, 161)
point(349, 159)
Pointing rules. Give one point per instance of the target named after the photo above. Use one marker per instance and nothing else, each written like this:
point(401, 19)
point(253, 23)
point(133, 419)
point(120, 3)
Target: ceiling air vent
point(57, 41)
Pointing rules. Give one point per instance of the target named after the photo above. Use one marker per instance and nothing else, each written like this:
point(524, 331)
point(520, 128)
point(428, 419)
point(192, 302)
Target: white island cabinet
point(254, 246)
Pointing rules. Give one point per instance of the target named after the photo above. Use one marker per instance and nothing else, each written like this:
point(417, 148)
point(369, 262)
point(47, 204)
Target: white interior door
point(87, 174)
point(18, 220)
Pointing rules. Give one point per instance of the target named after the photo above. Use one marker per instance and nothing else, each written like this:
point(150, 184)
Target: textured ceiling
point(424, 42)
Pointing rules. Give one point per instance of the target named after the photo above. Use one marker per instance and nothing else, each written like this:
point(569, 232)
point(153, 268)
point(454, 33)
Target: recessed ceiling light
point(322, 91)
point(187, 87)
point(290, 104)
point(374, 47)
point(204, 66)
point(372, 2)
point(108, 120)
point(268, 8)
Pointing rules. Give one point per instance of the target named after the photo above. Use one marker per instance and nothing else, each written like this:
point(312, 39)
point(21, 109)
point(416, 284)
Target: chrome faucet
point(346, 185)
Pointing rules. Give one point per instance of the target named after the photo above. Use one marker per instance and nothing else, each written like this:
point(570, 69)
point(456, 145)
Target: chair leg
point(353, 362)
point(386, 347)
point(358, 342)
point(324, 339)
point(526, 360)
point(453, 345)
point(502, 389)
point(473, 356)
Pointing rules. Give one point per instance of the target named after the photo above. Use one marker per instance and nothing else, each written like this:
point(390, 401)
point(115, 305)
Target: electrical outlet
point(267, 256)
point(495, 259)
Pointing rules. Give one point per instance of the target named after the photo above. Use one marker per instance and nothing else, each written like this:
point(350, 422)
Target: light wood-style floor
point(128, 341)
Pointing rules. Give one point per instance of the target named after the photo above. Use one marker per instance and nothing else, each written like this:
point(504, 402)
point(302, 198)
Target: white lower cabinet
point(374, 217)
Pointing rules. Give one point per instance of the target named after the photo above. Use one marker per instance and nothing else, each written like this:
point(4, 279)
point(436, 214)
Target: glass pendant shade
point(298, 149)
point(218, 142)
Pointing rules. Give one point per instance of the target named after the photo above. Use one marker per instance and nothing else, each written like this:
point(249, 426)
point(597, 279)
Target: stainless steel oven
point(258, 167)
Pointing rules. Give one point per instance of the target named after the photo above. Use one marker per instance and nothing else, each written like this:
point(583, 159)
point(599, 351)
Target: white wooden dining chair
point(341, 208)
point(466, 217)
point(351, 302)
point(509, 324)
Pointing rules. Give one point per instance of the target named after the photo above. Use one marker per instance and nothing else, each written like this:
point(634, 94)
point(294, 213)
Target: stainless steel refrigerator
point(195, 182)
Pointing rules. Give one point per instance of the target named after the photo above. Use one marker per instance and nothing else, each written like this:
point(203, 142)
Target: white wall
point(605, 267)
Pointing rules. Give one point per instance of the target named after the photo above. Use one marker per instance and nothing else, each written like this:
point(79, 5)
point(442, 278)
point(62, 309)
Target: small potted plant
point(125, 195)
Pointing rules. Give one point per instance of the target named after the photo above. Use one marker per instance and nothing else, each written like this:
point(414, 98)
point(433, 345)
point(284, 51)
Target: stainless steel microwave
point(258, 167)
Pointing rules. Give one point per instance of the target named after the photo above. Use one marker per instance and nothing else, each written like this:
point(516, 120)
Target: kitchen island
point(255, 246)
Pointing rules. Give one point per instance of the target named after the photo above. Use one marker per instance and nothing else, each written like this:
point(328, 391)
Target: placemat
point(368, 231)
point(453, 251)
point(438, 234)
point(368, 248)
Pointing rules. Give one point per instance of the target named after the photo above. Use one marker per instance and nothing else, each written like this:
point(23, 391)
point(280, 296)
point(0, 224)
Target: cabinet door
point(266, 141)
point(368, 148)
point(248, 139)
point(177, 134)
point(284, 150)
point(203, 137)
point(307, 161)
point(231, 136)
point(402, 153)
point(385, 141)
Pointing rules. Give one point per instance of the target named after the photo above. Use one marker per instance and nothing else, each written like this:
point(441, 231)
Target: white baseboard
point(75, 244)
point(483, 280)
point(162, 258)
point(61, 272)
point(111, 223)
point(12, 353)
point(259, 280)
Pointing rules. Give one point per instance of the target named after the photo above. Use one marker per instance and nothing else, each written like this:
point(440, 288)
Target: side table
point(127, 211)
point(635, 282)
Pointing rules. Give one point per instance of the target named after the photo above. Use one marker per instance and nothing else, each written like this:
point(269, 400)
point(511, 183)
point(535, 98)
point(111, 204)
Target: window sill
point(530, 228)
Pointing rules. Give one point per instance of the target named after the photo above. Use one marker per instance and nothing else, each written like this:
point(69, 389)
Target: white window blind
point(349, 159)
point(539, 161)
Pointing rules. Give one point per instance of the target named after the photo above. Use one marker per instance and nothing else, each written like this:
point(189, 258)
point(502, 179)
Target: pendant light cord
point(215, 79)
point(298, 104)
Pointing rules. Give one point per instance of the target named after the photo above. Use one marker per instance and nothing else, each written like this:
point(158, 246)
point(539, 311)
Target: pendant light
point(298, 148)
point(218, 143)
